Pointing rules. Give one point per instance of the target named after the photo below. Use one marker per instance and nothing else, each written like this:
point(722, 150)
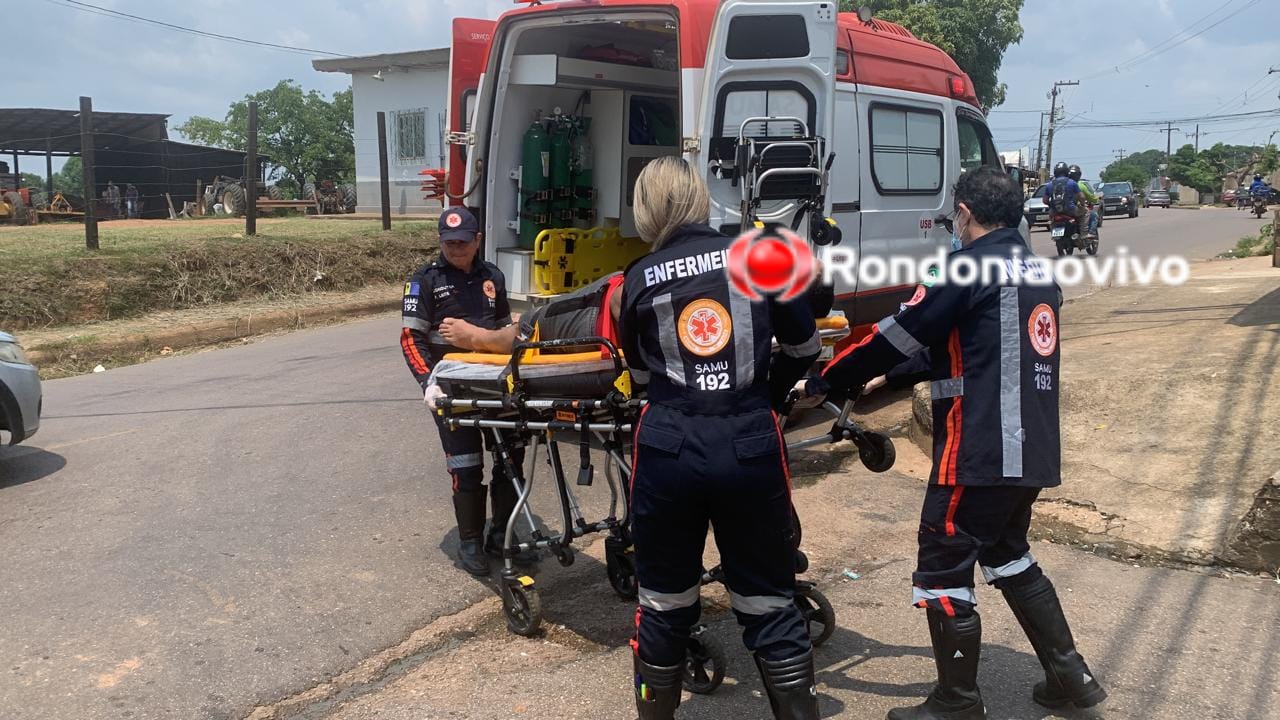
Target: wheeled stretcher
point(578, 392)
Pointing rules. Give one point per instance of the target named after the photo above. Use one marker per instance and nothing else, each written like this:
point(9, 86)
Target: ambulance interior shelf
point(568, 72)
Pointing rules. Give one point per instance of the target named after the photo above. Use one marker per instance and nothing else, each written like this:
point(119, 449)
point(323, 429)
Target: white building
point(412, 88)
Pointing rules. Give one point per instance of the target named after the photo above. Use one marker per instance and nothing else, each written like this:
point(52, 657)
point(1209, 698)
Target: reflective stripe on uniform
point(435, 338)
point(919, 595)
point(898, 337)
point(949, 388)
point(1011, 432)
point(1008, 570)
point(416, 324)
point(464, 461)
point(812, 346)
point(640, 376)
point(663, 602)
point(667, 338)
point(744, 337)
point(757, 604)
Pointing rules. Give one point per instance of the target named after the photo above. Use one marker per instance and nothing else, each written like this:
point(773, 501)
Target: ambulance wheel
point(877, 453)
point(621, 567)
point(818, 614)
point(704, 664)
point(522, 608)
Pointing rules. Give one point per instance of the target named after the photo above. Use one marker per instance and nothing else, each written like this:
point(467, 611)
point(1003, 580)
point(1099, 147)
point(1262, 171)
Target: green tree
point(975, 33)
point(70, 179)
point(305, 136)
point(1125, 172)
point(1268, 161)
point(33, 181)
point(1194, 170)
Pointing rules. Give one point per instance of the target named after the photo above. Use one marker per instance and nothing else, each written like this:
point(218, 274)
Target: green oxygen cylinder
point(561, 172)
point(584, 160)
point(535, 187)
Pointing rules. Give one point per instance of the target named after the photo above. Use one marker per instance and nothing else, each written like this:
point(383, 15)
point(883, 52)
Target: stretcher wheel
point(621, 567)
point(704, 664)
point(522, 608)
point(565, 556)
point(818, 614)
point(877, 452)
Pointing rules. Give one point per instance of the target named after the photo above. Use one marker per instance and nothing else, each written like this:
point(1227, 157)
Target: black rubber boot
point(791, 687)
point(503, 497)
point(1067, 677)
point(468, 508)
point(957, 643)
point(657, 690)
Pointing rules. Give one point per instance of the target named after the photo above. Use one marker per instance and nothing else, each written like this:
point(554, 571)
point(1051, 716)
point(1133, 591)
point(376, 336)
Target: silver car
point(1034, 210)
point(20, 398)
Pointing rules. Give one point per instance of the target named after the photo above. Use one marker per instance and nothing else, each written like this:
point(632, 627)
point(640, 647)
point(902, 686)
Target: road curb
point(210, 332)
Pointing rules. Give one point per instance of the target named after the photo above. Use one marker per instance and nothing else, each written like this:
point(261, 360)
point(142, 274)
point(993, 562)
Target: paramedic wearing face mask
point(458, 303)
point(996, 445)
point(708, 448)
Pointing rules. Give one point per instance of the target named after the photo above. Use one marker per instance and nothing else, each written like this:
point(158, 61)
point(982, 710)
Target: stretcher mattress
point(576, 375)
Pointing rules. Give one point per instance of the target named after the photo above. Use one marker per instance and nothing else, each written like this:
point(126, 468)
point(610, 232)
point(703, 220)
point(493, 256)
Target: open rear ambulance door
point(766, 58)
point(467, 59)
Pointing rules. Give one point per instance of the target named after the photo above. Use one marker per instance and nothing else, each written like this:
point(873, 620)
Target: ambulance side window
point(767, 37)
point(906, 149)
point(976, 148)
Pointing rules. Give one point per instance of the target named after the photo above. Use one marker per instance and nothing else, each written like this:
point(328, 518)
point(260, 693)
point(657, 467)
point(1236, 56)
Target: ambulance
point(797, 113)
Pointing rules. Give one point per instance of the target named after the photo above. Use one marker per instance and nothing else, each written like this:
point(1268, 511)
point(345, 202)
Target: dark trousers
point(730, 472)
point(963, 526)
point(464, 450)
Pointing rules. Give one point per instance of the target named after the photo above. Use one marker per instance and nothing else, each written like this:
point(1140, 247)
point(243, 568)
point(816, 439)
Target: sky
point(127, 66)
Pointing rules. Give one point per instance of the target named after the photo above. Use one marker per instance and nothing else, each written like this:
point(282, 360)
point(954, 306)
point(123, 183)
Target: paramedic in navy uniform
point(995, 356)
point(458, 303)
point(708, 447)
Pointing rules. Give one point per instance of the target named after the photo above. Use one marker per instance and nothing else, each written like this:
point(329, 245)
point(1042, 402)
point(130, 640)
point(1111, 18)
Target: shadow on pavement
point(1263, 311)
point(19, 465)
point(370, 401)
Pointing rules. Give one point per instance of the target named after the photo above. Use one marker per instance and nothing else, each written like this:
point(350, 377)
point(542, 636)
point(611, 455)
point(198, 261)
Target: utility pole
point(1053, 120)
point(383, 172)
point(1168, 144)
point(1040, 148)
point(1196, 135)
point(1119, 154)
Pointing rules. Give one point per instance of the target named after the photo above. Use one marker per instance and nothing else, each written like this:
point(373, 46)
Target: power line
point(1174, 41)
point(108, 12)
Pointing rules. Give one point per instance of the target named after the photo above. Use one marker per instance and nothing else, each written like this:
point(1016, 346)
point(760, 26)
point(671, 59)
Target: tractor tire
point(233, 200)
point(274, 192)
point(18, 210)
point(309, 193)
point(348, 193)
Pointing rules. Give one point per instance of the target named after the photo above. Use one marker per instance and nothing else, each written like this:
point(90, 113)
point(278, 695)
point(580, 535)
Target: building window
point(410, 136)
point(906, 150)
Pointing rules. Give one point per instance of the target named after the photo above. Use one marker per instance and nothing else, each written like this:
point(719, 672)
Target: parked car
point(20, 397)
point(1229, 196)
point(1034, 209)
point(1118, 198)
point(1159, 198)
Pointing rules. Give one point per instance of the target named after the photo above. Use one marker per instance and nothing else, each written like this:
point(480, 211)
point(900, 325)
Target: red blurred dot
point(769, 265)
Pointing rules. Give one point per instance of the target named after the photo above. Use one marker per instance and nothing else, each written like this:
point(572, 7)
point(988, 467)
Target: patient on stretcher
point(574, 371)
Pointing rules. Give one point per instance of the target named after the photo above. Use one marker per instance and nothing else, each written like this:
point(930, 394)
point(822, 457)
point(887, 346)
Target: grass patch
point(49, 278)
point(1263, 244)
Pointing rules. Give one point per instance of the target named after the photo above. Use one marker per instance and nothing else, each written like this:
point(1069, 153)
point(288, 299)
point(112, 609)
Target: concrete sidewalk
point(1167, 643)
point(1170, 405)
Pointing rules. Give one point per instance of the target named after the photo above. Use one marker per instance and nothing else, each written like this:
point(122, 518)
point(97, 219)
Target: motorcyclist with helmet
point(1062, 193)
point(1087, 211)
point(1258, 187)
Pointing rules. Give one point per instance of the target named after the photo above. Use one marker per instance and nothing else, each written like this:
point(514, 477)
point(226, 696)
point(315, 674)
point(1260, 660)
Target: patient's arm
point(463, 334)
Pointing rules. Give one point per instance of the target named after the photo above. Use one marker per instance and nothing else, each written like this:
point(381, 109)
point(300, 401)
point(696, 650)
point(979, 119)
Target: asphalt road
point(1161, 232)
point(198, 535)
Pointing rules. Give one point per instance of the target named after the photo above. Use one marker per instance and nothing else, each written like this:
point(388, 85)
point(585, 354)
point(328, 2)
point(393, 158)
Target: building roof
point(41, 129)
point(437, 59)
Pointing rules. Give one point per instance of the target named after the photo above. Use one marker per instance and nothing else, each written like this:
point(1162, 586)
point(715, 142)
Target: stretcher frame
point(517, 416)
